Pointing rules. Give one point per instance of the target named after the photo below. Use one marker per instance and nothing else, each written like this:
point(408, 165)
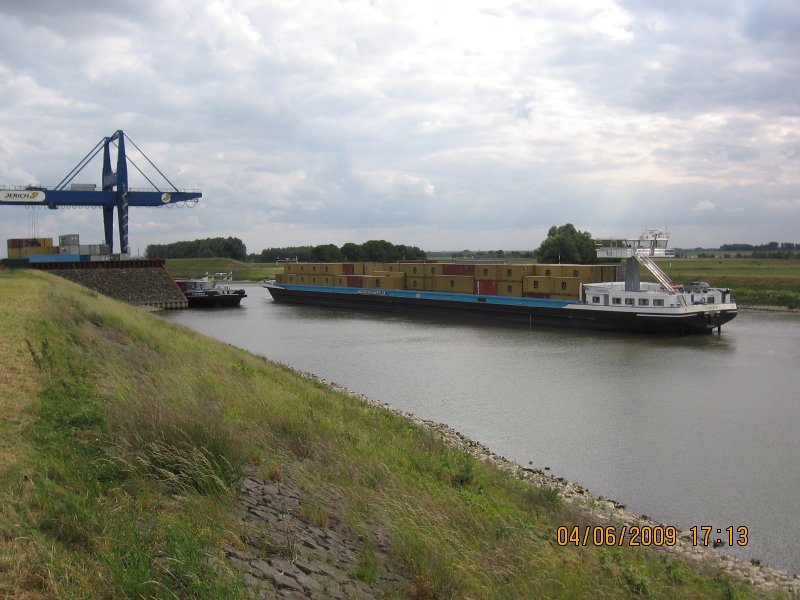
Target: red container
point(486, 286)
point(355, 281)
point(17, 243)
point(467, 270)
point(347, 268)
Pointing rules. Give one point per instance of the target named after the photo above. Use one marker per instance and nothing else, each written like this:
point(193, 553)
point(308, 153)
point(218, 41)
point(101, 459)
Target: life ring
point(703, 300)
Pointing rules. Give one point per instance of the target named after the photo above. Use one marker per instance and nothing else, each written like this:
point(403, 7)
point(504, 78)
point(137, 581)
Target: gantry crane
point(115, 192)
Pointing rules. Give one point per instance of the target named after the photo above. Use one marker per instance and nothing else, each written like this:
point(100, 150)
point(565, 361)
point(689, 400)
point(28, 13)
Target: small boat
point(211, 292)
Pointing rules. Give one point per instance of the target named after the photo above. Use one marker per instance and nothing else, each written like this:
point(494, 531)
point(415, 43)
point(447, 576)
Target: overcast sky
point(445, 125)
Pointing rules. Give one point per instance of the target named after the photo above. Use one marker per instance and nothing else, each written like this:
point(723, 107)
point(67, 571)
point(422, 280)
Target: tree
point(207, 248)
point(379, 251)
point(566, 244)
point(352, 252)
point(326, 253)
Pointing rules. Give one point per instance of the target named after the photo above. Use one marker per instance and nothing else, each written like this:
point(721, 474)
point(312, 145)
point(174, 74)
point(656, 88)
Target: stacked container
point(27, 247)
point(540, 281)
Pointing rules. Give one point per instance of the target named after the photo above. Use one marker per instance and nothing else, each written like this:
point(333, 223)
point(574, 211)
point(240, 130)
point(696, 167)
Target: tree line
point(230, 247)
point(370, 251)
point(564, 244)
point(768, 247)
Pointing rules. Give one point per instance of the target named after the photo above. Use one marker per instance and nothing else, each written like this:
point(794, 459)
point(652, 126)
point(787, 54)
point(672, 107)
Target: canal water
point(699, 430)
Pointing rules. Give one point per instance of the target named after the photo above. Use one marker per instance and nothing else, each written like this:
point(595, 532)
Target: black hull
point(215, 300)
point(575, 318)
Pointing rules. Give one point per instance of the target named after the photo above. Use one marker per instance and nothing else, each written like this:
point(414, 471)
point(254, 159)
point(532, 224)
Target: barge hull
point(501, 309)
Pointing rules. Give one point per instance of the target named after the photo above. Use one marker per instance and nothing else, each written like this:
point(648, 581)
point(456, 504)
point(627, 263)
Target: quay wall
point(144, 283)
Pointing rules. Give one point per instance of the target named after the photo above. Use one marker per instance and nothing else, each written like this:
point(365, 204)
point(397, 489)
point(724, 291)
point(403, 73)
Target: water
point(697, 430)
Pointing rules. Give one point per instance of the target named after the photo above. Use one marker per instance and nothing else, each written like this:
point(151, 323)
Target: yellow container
point(417, 283)
point(384, 282)
point(509, 288)
point(413, 269)
point(545, 270)
point(488, 272)
point(537, 285)
point(387, 273)
point(331, 268)
point(432, 269)
point(371, 267)
point(291, 268)
point(589, 273)
point(566, 286)
point(459, 284)
point(513, 272)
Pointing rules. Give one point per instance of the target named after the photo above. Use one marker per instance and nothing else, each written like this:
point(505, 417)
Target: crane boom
point(114, 193)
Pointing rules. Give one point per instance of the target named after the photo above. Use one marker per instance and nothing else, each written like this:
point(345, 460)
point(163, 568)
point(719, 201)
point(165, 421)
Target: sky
point(447, 125)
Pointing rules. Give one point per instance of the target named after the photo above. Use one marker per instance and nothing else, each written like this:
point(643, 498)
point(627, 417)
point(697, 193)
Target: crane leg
point(108, 226)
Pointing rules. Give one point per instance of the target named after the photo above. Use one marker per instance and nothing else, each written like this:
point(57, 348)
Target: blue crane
point(115, 192)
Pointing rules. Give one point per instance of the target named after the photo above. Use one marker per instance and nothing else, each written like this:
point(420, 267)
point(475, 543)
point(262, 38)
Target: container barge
point(575, 296)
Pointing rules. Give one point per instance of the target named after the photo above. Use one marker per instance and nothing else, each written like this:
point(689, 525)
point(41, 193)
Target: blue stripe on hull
point(425, 295)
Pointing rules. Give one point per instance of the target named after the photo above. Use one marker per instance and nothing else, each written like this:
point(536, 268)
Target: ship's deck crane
point(115, 192)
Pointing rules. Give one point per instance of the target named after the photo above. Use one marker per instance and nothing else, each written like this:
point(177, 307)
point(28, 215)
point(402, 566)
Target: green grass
point(140, 431)
point(768, 282)
point(242, 271)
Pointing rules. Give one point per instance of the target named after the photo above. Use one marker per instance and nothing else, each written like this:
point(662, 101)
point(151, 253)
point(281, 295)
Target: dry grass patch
point(19, 388)
point(19, 382)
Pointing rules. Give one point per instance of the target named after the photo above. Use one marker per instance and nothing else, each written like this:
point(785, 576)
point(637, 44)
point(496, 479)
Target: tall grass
point(97, 504)
point(142, 430)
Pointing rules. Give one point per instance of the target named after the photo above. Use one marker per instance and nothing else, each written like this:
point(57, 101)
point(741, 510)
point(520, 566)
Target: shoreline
point(598, 510)
point(768, 308)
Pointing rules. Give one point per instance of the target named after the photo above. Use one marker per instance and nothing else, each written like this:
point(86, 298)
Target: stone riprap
point(148, 287)
point(295, 546)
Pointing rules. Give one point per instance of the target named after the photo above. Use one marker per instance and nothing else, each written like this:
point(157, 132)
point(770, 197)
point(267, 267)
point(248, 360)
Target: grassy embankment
point(242, 271)
point(123, 438)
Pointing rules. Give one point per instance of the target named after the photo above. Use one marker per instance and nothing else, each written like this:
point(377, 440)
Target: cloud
point(704, 205)
point(428, 120)
point(784, 206)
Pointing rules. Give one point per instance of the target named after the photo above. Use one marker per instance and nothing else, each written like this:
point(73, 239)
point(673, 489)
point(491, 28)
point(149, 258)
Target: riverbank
point(766, 308)
point(136, 452)
point(600, 510)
